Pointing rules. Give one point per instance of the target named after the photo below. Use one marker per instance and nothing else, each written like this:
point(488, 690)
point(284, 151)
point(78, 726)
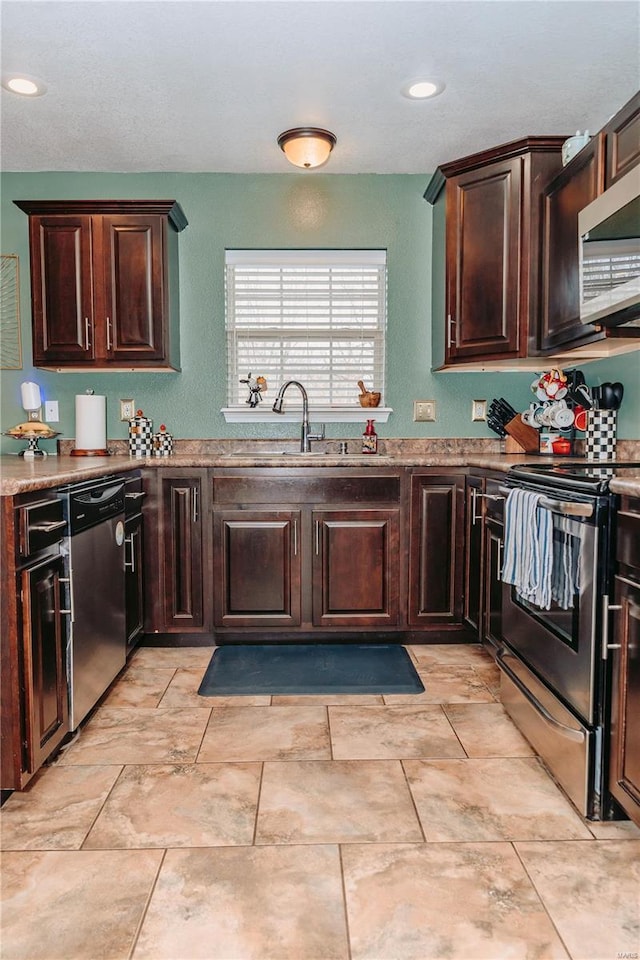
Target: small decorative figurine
point(257, 386)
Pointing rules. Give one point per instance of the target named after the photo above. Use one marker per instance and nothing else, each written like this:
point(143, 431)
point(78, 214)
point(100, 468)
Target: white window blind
point(608, 264)
point(317, 316)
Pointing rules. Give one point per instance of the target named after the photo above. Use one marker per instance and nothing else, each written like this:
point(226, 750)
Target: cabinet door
point(624, 775)
point(62, 289)
point(355, 567)
point(436, 550)
point(483, 231)
point(474, 554)
point(133, 581)
point(256, 568)
point(46, 708)
point(623, 141)
point(182, 554)
point(134, 304)
point(578, 184)
point(493, 589)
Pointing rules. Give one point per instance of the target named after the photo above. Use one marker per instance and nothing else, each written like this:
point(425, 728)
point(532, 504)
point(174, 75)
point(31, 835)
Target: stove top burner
point(593, 476)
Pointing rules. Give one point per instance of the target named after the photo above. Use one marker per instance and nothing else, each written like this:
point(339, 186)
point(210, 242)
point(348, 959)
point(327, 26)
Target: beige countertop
point(20, 475)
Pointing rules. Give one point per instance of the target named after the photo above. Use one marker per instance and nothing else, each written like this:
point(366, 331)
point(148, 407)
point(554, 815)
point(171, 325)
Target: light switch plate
point(424, 411)
point(51, 414)
point(478, 410)
point(127, 409)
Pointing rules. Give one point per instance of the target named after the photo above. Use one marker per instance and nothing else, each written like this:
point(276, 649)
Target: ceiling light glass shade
point(422, 89)
point(24, 85)
point(307, 147)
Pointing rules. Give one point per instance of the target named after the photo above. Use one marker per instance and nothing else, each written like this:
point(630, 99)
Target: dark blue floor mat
point(309, 668)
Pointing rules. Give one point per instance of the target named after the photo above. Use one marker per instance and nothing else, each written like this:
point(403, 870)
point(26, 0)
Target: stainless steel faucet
point(306, 436)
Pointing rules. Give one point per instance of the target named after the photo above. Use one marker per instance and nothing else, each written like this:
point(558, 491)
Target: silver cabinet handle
point(606, 608)
point(295, 538)
point(48, 526)
point(194, 490)
point(474, 502)
point(109, 336)
point(450, 323)
point(87, 342)
point(500, 557)
point(131, 564)
point(317, 537)
point(70, 611)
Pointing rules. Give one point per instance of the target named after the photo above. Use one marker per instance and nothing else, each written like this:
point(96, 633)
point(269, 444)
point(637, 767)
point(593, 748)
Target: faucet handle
point(317, 436)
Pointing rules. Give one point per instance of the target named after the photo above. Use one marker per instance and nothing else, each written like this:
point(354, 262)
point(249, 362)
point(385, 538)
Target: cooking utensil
point(618, 392)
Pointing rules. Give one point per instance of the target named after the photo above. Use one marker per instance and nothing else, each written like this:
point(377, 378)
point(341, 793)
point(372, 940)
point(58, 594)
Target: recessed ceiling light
point(422, 89)
point(23, 85)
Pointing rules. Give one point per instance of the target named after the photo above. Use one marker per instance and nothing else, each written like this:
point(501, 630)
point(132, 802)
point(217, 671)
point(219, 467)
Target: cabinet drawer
point(41, 524)
point(317, 488)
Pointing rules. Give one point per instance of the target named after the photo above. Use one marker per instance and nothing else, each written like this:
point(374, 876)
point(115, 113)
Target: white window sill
point(317, 414)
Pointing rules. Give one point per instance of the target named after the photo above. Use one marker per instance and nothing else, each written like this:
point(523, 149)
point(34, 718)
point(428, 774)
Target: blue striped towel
point(528, 547)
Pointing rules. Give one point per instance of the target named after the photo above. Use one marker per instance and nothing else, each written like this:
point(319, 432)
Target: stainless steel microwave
point(609, 241)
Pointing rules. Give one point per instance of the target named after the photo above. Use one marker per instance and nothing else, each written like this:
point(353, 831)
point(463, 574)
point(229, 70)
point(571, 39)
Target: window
point(317, 316)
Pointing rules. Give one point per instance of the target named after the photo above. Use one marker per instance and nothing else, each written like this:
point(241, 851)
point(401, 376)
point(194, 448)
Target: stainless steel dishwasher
point(96, 650)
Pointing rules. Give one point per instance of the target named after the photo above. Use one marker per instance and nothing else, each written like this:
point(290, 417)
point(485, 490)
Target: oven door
point(559, 644)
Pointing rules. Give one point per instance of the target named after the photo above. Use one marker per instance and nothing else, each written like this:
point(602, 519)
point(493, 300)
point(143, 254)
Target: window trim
point(320, 412)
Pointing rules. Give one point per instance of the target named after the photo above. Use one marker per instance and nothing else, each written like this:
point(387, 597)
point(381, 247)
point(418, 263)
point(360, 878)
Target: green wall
point(283, 210)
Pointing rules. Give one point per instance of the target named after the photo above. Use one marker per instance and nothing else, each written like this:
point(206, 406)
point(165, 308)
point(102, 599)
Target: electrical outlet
point(478, 410)
point(51, 414)
point(127, 409)
point(424, 411)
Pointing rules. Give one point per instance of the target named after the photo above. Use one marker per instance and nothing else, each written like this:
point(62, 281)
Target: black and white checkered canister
point(162, 444)
point(140, 436)
point(600, 436)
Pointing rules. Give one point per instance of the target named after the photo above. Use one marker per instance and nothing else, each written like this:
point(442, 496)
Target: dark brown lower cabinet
point(474, 554)
point(175, 552)
point(436, 541)
point(133, 580)
point(46, 707)
point(624, 760)
point(256, 568)
point(355, 568)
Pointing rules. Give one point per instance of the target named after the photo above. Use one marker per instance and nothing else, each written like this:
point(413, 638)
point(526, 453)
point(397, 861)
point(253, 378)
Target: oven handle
point(571, 508)
point(577, 735)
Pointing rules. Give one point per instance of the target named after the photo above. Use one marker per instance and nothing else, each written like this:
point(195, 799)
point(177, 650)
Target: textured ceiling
point(208, 86)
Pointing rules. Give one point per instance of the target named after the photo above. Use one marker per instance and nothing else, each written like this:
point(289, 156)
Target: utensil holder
point(600, 436)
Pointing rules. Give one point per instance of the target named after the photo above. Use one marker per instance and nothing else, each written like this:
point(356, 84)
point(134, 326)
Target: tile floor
point(348, 828)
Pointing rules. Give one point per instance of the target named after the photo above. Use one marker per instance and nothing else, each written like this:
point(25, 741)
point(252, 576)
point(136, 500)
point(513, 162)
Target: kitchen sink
point(261, 454)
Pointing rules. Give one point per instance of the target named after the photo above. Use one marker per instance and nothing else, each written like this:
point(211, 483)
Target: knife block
point(521, 437)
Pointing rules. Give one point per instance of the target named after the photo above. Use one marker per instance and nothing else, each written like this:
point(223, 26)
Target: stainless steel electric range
point(555, 672)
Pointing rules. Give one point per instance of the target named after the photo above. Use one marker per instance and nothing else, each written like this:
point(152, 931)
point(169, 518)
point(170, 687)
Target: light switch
point(424, 411)
point(51, 414)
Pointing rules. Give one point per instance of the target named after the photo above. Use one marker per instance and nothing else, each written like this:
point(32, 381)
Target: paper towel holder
point(88, 452)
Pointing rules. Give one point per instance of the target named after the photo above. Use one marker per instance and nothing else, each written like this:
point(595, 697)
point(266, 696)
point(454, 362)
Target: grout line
point(344, 903)
point(537, 892)
point(143, 915)
point(104, 802)
point(413, 802)
point(258, 798)
point(443, 707)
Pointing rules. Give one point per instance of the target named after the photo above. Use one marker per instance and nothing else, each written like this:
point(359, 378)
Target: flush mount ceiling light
point(422, 89)
point(307, 147)
point(23, 85)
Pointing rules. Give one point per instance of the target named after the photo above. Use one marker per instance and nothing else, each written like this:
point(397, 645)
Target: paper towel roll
point(91, 422)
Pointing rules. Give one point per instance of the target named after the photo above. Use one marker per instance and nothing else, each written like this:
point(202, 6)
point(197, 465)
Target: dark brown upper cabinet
point(104, 287)
point(622, 134)
point(492, 217)
point(580, 182)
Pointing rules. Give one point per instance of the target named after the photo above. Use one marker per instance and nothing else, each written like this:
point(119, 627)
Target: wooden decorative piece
point(10, 343)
